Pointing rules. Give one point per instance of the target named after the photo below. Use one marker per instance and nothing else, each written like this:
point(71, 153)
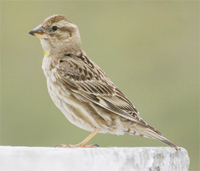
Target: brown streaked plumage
point(81, 90)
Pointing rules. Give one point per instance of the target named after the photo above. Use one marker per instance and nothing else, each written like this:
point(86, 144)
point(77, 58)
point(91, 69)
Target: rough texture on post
point(93, 159)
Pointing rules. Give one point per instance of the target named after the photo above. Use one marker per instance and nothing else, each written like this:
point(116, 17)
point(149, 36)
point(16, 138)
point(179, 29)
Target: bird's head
point(58, 35)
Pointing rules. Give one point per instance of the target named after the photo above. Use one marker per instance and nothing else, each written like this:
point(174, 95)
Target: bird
point(82, 90)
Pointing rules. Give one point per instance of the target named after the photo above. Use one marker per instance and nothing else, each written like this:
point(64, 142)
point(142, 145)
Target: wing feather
point(90, 81)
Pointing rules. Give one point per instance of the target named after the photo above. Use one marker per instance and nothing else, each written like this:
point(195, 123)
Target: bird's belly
point(83, 114)
point(73, 109)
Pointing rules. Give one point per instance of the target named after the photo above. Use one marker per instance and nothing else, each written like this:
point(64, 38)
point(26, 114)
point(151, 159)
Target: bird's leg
point(82, 143)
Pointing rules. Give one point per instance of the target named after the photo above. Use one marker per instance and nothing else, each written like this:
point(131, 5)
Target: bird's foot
point(77, 145)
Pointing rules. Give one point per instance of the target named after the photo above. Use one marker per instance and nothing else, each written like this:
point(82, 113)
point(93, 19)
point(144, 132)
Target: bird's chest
point(48, 67)
point(51, 74)
point(58, 92)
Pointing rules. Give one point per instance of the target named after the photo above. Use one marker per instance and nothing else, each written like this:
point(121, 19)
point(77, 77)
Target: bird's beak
point(39, 32)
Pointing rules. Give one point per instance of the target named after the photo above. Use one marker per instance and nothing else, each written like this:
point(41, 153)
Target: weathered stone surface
point(94, 159)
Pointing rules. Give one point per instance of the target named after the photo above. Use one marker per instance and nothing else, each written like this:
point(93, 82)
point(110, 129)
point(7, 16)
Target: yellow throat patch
point(46, 53)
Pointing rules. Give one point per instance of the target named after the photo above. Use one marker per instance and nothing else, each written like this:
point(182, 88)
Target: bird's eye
point(54, 28)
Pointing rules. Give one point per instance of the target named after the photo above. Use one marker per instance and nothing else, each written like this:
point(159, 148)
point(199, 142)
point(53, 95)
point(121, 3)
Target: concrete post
point(93, 159)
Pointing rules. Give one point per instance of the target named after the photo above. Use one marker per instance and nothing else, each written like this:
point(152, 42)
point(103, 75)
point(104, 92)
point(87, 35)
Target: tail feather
point(148, 131)
point(154, 135)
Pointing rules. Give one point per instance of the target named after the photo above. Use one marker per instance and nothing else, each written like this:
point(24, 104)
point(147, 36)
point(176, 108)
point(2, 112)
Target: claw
point(76, 146)
point(62, 146)
point(96, 145)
